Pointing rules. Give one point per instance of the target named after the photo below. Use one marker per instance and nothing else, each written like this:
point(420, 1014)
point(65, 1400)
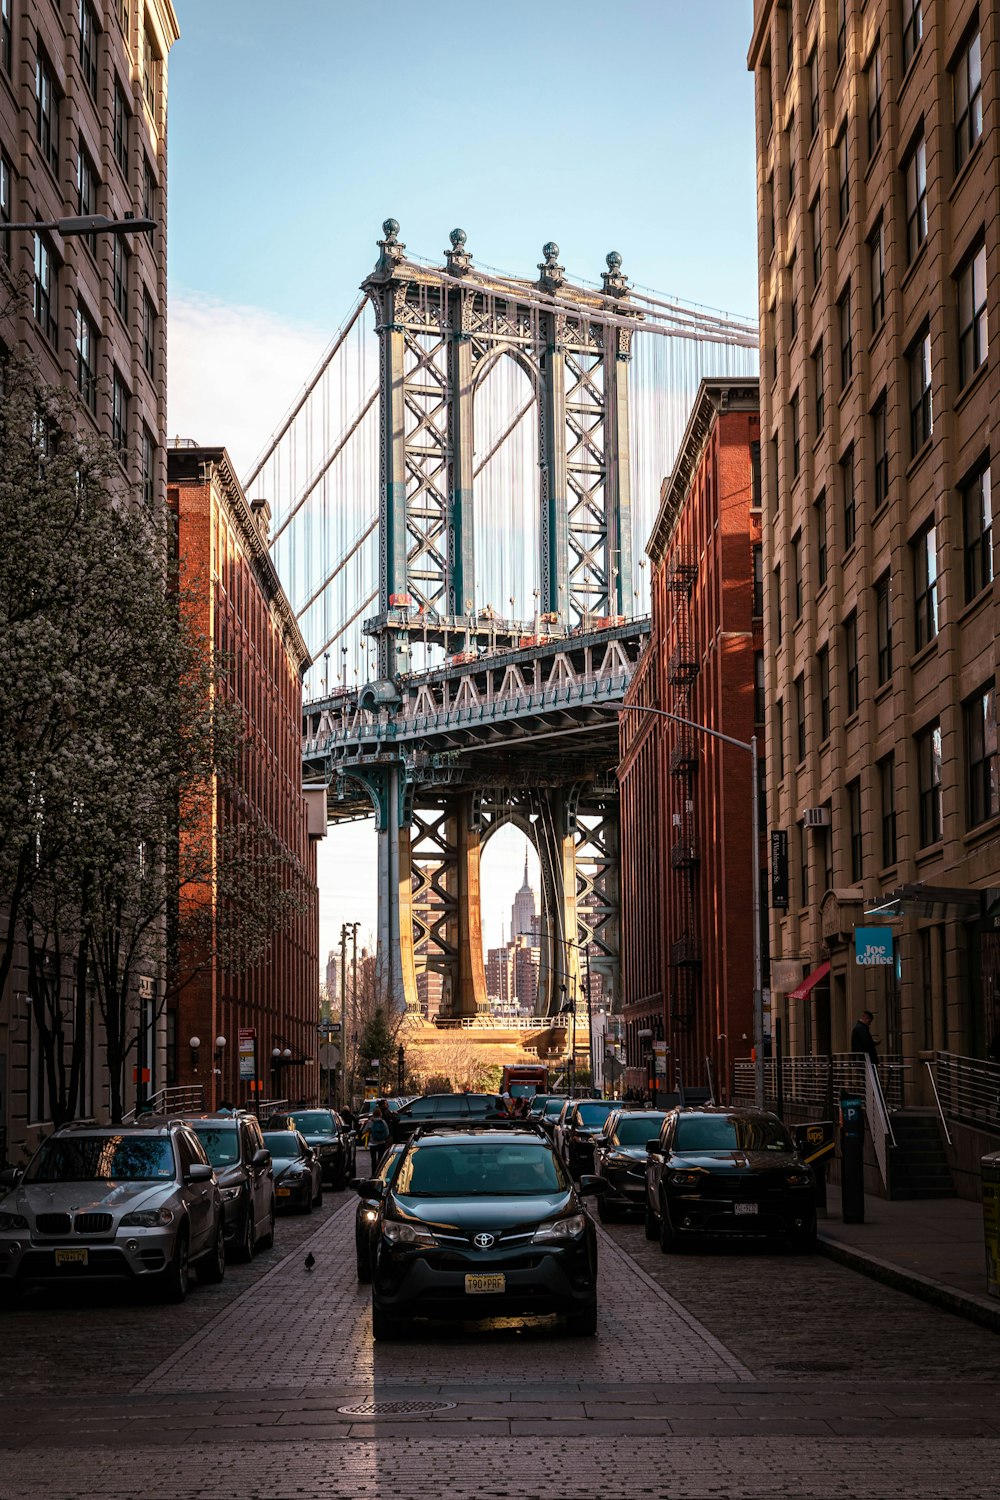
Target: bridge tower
point(441, 330)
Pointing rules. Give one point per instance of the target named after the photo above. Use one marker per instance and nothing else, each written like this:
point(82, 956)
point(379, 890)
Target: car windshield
point(283, 1144)
point(105, 1158)
point(222, 1147)
point(553, 1107)
point(315, 1121)
point(537, 1105)
point(635, 1130)
point(730, 1133)
point(595, 1113)
point(479, 1169)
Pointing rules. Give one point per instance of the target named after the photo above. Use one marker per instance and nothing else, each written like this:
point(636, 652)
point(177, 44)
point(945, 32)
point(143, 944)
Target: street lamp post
point(80, 224)
point(758, 993)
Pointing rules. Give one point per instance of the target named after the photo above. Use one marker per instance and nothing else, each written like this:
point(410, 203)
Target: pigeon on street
point(310, 1261)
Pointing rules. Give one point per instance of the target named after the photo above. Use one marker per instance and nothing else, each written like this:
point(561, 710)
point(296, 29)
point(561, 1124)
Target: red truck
point(525, 1080)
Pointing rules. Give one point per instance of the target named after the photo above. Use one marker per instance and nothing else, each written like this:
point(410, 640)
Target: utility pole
point(354, 988)
point(590, 1025)
point(343, 1013)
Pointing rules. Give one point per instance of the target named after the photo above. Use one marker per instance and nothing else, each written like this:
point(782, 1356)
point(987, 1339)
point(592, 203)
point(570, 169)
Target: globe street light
point(758, 992)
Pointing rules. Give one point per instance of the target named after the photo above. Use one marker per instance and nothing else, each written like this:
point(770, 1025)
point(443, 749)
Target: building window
point(121, 128)
point(793, 414)
point(778, 619)
point(851, 661)
point(968, 100)
point(821, 539)
point(148, 466)
point(817, 361)
point(876, 260)
point(873, 79)
point(848, 492)
point(46, 112)
point(86, 358)
point(148, 190)
point(921, 406)
point(779, 735)
point(791, 157)
point(843, 179)
point(929, 784)
point(816, 233)
point(86, 192)
point(773, 476)
point(46, 290)
point(880, 443)
point(846, 350)
point(5, 39)
point(883, 630)
point(120, 275)
point(913, 28)
point(915, 173)
point(925, 581)
point(769, 214)
point(887, 799)
point(800, 719)
point(88, 46)
point(148, 336)
point(758, 687)
point(119, 416)
point(973, 343)
point(758, 580)
point(124, 8)
point(804, 864)
point(6, 185)
point(823, 691)
point(797, 573)
point(150, 74)
point(841, 31)
point(813, 67)
point(977, 520)
point(981, 756)
point(854, 830)
point(755, 490)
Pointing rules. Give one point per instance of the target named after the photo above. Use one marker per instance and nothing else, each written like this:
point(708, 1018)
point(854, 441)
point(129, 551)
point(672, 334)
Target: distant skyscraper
point(523, 915)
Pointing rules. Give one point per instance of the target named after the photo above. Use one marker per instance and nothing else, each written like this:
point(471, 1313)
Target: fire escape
point(682, 672)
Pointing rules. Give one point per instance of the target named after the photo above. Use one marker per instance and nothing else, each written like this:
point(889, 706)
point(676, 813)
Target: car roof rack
point(476, 1127)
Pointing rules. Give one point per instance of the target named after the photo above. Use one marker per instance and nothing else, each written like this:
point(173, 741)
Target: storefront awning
point(936, 903)
point(810, 982)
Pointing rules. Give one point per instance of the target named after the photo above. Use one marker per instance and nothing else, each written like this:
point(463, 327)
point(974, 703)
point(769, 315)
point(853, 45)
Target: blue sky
point(297, 126)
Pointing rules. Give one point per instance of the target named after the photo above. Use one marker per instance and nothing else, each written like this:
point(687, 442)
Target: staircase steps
point(919, 1164)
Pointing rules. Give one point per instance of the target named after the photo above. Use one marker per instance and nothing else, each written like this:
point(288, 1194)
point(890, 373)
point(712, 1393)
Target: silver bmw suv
point(135, 1201)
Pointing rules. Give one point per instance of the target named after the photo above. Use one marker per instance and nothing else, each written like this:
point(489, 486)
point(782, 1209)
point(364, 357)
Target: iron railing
point(188, 1100)
point(937, 1100)
point(879, 1124)
point(969, 1090)
point(818, 1082)
point(267, 1108)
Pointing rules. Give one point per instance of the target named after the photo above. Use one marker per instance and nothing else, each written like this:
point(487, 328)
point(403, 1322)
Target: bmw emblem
point(484, 1241)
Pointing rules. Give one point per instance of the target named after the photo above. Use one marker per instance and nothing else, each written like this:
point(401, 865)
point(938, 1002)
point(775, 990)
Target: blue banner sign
point(873, 945)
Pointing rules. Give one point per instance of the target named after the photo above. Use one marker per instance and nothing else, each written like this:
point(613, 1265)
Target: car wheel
point(245, 1244)
point(668, 1236)
point(319, 1195)
point(175, 1279)
point(803, 1241)
point(212, 1267)
point(606, 1212)
point(10, 1296)
point(651, 1223)
point(307, 1202)
point(384, 1328)
point(582, 1325)
point(267, 1240)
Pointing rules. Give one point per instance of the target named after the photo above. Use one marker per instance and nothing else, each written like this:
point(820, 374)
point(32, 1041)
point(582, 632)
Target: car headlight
point(798, 1179)
point(228, 1194)
point(13, 1221)
point(684, 1179)
point(569, 1228)
point(406, 1234)
point(369, 1215)
point(148, 1218)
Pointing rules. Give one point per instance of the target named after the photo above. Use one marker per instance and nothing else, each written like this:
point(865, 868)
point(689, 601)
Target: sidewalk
point(933, 1248)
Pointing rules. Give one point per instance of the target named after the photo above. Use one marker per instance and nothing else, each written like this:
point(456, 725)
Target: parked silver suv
point(114, 1201)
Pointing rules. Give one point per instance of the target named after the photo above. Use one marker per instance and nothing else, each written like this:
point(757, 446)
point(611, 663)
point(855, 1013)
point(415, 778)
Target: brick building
point(879, 201)
point(242, 610)
point(687, 886)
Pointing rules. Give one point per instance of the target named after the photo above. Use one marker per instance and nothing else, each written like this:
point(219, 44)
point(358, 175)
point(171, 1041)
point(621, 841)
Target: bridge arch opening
point(511, 905)
point(506, 488)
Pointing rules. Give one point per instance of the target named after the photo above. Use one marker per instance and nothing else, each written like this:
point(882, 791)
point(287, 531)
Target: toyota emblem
point(484, 1241)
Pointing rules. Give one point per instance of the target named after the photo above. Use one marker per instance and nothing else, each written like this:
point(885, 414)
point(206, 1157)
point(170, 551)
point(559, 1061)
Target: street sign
point(247, 1051)
point(325, 1027)
point(146, 983)
point(873, 946)
point(779, 869)
point(660, 1059)
point(329, 1055)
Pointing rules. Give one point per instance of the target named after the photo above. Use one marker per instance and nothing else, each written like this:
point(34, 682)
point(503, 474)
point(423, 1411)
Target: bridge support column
point(395, 917)
point(470, 998)
point(559, 966)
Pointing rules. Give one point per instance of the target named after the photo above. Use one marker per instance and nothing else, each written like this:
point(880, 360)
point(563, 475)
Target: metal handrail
point(811, 1080)
point(879, 1124)
point(176, 1100)
point(969, 1090)
point(937, 1101)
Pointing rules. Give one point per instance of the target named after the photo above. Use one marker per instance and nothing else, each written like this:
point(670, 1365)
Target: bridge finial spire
point(391, 247)
point(615, 284)
point(458, 258)
point(553, 274)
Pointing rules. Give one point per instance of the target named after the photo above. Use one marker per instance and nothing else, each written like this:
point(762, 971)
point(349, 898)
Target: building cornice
point(761, 26)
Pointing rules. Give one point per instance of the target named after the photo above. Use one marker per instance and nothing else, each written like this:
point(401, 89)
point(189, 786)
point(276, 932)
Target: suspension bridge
point(460, 497)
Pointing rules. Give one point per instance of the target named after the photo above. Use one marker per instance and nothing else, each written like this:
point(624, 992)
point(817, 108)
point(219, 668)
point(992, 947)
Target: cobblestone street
point(733, 1373)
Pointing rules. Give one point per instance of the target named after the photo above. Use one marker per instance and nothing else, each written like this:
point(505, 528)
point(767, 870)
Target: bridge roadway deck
point(739, 1374)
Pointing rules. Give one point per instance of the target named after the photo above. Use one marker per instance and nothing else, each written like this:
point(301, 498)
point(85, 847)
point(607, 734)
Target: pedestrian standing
point(376, 1130)
point(861, 1037)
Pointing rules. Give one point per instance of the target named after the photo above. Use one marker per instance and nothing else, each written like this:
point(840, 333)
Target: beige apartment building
point(877, 176)
point(83, 130)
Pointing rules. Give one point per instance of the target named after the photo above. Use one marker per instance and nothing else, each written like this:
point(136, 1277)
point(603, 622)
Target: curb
point(964, 1304)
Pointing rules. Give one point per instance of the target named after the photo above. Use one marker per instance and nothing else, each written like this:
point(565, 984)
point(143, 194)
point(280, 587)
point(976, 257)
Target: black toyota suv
point(330, 1138)
point(580, 1126)
point(481, 1223)
point(450, 1109)
point(234, 1144)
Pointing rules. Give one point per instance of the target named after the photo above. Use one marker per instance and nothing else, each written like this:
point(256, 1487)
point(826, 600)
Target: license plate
point(485, 1283)
point(71, 1257)
point(284, 1192)
point(744, 1208)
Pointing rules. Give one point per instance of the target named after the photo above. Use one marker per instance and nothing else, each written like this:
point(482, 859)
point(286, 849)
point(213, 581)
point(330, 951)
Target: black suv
point(445, 1109)
point(579, 1127)
point(329, 1137)
point(234, 1144)
point(481, 1223)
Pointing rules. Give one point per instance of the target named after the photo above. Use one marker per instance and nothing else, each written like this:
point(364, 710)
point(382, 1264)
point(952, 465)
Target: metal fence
point(968, 1090)
point(818, 1082)
point(172, 1101)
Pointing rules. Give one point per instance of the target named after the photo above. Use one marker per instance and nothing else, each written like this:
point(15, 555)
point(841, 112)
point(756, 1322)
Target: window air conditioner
point(816, 817)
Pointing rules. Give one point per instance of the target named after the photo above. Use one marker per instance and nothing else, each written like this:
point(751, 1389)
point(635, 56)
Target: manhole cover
point(393, 1408)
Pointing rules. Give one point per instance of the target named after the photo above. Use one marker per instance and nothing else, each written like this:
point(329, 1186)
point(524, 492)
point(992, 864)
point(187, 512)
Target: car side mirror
point(653, 1146)
point(592, 1187)
point(261, 1158)
point(199, 1171)
point(368, 1187)
point(11, 1176)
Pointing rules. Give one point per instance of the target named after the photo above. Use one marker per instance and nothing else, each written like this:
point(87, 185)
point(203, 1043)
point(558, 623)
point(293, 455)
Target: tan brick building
point(877, 167)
